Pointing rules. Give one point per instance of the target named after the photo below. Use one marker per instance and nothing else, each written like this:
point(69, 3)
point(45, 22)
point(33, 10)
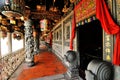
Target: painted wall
point(4, 46)
point(61, 36)
point(16, 45)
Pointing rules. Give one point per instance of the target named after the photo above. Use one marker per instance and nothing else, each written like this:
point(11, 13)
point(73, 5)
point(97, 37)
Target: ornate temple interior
point(59, 40)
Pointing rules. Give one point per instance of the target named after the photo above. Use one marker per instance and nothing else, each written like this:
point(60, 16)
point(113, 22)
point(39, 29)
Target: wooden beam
point(46, 14)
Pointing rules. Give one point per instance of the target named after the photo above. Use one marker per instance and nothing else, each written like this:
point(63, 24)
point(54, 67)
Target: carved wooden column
point(29, 44)
point(9, 42)
point(36, 41)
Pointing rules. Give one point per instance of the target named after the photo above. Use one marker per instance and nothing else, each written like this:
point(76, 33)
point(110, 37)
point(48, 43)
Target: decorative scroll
point(107, 47)
point(85, 9)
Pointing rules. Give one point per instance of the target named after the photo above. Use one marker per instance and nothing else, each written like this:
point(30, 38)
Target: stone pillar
point(29, 44)
point(36, 42)
point(9, 42)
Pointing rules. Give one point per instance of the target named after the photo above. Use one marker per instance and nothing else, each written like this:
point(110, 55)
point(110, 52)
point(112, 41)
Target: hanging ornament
point(65, 9)
point(14, 35)
point(94, 18)
point(86, 21)
point(89, 20)
point(17, 35)
point(72, 1)
point(4, 34)
point(82, 22)
point(77, 25)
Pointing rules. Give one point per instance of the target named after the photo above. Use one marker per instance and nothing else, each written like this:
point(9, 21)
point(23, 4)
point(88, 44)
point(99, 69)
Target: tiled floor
point(46, 64)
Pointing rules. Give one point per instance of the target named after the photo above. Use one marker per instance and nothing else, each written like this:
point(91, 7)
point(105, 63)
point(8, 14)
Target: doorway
point(89, 43)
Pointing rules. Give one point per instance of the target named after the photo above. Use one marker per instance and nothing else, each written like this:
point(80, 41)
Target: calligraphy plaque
point(107, 47)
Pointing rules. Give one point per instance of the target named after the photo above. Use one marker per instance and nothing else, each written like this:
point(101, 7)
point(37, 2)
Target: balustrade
point(10, 63)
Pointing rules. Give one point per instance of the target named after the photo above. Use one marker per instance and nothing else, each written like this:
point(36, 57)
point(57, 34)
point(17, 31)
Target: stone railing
point(11, 62)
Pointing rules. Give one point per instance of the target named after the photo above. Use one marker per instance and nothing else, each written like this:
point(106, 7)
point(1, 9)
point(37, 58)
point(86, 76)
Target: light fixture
point(4, 21)
point(72, 1)
point(65, 9)
point(54, 9)
point(38, 7)
point(22, 18)
point(12, 20)
point(0, 17)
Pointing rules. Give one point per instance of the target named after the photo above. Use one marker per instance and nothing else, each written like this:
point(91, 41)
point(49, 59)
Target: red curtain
point(73, 32)
point(109, 27)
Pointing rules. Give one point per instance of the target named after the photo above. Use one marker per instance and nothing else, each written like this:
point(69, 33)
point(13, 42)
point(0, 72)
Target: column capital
point(28, 22)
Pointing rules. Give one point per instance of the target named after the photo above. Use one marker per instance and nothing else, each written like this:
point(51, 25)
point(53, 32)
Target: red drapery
point(109, 26)
point(73, 32)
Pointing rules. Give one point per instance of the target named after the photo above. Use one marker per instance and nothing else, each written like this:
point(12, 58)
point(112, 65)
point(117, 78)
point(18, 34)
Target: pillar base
point(30, 64)
point(36, 52)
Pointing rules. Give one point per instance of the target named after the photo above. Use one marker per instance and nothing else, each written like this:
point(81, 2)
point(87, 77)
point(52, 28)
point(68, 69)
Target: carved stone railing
point(11, 62)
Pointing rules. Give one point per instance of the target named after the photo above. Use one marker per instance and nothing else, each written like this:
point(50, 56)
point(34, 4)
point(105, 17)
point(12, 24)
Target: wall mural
point(57, 37)
point(67, 32)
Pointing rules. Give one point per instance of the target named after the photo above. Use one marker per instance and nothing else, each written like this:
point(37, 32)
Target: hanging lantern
point(12, 8)
point(14, 35)
point(4, 28)
point(4, 21)
point(12, 20)
point(89, 20)
point(65, 9)
point(17, 35)
point(72, 1)
point(43, 24)
point(86, 21)
point(4, 34)
point(94, 18)
point(83, 23)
